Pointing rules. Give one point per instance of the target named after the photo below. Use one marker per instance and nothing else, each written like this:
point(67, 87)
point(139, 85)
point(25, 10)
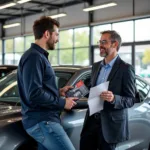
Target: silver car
point(13, 136)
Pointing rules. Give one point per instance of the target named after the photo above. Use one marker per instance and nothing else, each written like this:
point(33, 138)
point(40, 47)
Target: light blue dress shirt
point(105, 71)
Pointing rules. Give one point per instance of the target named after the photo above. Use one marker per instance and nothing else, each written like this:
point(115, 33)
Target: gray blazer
point(114, 117)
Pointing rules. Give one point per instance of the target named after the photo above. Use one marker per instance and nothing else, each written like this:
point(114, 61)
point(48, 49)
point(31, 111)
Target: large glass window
point(142, 30)
point(142, 61)
point(9, 58)
point(82, 56)
point(28, 41)
point(9, 55)
point(97, 30)
point(66, 57)
point(125, 53)
point(125, 29)
point(19, 44)
point(53, 57)
point(97, 56)
point(66, 38)
point(9, 46)
point(17, 58)
point(81, 37)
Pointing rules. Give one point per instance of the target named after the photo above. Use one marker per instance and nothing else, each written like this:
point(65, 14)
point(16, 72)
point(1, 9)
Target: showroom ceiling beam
point(25, 9)
point(44, 4)
point(50, 7)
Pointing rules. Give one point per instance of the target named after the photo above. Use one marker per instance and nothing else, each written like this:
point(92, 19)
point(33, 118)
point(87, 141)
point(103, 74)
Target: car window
point(62, 78)
point(143, 88)
point(12, 92)
point(86, 78)
point(4, 72)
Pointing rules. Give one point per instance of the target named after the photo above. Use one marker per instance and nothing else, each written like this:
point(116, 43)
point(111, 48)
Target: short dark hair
point(43, 24)
point(114, 36)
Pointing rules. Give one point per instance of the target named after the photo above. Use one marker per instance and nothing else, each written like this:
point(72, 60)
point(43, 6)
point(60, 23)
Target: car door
point(139, 120)
point(72, 121)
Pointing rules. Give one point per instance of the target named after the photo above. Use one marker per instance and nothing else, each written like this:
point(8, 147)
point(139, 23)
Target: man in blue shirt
point(40, 98)
point(104, 129)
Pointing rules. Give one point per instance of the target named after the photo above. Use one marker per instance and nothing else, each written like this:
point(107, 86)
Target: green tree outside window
point(19, 44)
point(81, 37)
point(9, 45)
point(66, 39)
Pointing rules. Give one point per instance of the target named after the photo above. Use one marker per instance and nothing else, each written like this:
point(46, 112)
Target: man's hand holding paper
point(95, 102)
point(107, 96)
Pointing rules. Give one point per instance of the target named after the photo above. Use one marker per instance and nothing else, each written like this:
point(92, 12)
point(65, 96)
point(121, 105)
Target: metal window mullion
point(14, 45)
point(73, 48)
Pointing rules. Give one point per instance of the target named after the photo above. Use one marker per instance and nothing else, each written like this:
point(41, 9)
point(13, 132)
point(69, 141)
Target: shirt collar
point(40, 49)
point(111, 63)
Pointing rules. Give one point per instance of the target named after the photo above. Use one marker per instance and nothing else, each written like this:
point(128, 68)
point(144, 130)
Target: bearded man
point(104, 129)
point(40, 98)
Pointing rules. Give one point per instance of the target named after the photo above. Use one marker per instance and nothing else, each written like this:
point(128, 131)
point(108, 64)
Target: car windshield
point(9, 89)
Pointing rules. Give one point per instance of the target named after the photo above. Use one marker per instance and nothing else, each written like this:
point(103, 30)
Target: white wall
point(75, 15)
point(14, 30)
point(124, 9)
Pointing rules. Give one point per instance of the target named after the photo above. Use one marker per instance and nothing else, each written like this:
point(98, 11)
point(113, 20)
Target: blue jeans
point(50, 136)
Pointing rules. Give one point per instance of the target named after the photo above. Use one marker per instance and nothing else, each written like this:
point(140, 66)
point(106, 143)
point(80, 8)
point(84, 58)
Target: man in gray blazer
point(104, 129)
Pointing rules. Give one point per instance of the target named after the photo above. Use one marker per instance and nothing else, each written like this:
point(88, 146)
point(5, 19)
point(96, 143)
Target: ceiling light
point(58, 15)
point(23, 1)
point(91, 8)
point(11, 25)
point(7, 5)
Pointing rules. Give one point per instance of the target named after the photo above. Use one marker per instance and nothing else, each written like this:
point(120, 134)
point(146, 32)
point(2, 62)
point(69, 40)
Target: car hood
point(9, 114)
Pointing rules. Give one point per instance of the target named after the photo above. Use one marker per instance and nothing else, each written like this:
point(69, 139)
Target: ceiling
point(33, 7)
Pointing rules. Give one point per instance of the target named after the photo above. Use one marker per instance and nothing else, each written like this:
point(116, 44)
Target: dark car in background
point(5, 69)
point(13, 136)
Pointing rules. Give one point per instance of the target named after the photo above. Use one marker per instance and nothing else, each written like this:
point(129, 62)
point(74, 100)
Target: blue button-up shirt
point(105, 71)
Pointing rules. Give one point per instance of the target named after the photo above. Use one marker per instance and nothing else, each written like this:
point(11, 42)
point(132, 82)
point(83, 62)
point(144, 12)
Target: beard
point(104, 52)
point(50, 45)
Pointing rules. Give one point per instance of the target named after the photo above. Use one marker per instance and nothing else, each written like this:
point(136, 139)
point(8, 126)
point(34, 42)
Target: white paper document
point(94, 101)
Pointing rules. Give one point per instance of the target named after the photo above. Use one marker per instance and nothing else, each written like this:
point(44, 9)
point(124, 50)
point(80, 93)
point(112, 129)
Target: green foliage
point(66, 39)
point(29, 40)
point(9, 46)
point(66, 57)
point(53, 56)
point(82, 56)
point(81, 40)
point(81, 37)
point(146, 57)
point(19, 44)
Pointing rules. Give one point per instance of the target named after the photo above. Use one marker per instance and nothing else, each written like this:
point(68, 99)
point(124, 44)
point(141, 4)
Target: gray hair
point(114, 36)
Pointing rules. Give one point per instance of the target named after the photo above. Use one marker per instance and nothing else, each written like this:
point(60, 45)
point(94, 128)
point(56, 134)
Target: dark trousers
point(92, 137)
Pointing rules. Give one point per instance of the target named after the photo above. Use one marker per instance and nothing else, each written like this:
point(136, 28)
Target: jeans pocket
point(36, 133)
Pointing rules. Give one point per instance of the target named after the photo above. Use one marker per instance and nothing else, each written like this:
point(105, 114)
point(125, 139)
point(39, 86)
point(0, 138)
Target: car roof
point(70, 68)
point(67, 68)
